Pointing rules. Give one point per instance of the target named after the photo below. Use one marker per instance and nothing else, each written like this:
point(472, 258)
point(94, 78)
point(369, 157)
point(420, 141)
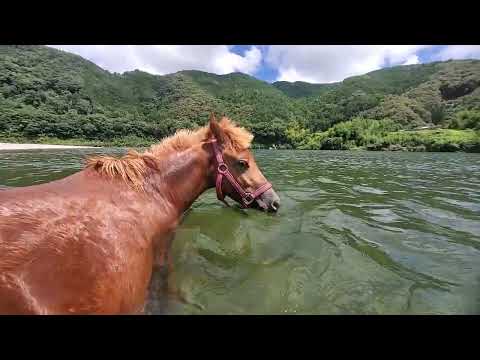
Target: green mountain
point(412, 95)
point(299, 89)
point(45, 92)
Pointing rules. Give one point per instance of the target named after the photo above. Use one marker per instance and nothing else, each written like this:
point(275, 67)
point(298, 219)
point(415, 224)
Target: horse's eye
point(243, 164)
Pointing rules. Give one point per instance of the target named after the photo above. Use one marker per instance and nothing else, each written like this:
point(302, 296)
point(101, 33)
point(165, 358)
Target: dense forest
point(47, 95)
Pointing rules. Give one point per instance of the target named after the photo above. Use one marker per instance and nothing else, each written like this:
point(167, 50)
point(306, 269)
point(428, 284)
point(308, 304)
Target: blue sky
point(311, 63)
point(265, 72)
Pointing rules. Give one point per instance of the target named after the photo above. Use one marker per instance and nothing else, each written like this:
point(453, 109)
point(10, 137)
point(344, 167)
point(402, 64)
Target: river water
point(357, 233)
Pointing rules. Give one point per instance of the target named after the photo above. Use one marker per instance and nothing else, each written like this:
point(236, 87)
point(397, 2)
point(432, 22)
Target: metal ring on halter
point(222, 168)
point(248, 198)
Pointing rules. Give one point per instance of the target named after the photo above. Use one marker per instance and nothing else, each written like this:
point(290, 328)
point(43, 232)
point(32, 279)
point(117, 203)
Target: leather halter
point(222, 171)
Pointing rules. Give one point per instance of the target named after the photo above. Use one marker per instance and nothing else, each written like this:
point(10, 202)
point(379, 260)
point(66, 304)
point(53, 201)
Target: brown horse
point(88, 243)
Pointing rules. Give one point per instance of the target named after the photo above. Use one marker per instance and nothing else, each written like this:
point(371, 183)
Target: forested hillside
point(50, 94)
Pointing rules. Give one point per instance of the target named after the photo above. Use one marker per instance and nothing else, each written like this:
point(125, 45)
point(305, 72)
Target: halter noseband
point(222, 171)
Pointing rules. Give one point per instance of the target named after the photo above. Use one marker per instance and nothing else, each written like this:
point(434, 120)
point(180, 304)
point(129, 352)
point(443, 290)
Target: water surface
point(357, 233)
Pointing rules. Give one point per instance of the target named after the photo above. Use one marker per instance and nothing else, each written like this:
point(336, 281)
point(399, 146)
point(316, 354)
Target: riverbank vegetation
point(127, 141)
point(376, 135)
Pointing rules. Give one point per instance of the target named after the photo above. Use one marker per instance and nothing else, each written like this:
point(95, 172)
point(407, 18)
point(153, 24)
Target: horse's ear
point(212, 117)
point(217, 131)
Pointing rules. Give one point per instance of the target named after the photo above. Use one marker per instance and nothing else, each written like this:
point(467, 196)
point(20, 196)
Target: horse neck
point(184, 177)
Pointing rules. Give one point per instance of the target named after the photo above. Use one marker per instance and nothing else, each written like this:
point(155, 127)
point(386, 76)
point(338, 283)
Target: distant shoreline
point(13, 146)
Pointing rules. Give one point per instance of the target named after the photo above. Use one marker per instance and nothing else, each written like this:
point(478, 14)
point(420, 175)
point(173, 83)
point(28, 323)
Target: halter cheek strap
point(223, 172)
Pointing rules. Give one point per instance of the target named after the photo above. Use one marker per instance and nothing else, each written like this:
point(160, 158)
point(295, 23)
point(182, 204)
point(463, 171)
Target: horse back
point(70, 246)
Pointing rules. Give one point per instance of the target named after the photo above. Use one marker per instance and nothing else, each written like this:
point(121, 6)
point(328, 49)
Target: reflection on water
point(357, 233)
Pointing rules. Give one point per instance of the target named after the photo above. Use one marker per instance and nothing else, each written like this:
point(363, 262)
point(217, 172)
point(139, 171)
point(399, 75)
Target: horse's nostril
point(275, 205)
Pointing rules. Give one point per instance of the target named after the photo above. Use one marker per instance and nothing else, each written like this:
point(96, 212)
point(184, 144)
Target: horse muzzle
point(268, 201)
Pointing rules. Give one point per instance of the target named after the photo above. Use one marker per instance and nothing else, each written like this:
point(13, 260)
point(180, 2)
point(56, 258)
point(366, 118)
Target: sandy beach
point(10, 146)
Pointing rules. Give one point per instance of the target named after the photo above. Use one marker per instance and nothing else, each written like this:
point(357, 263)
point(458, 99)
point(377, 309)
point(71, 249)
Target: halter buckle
point(222, 168)
point(248, 198)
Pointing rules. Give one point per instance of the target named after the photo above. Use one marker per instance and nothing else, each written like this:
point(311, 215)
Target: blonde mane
point(133, 166)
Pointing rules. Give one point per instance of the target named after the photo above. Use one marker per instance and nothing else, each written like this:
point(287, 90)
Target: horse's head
point(236, 173)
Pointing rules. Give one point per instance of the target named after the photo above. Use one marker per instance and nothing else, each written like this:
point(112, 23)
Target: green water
point(357, 233)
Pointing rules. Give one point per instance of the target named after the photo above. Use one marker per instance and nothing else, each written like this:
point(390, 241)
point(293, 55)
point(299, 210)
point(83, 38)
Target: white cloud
point(249, 63)
point(458, 52)
point(291, 74)
point(411, 60)
point(331, 63)
point(165, 59)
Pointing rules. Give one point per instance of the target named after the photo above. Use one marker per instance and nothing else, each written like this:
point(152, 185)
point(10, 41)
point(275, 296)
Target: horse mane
point(133, 166)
